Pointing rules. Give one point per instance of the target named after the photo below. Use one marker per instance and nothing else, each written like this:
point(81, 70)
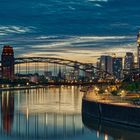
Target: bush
point(114, 92)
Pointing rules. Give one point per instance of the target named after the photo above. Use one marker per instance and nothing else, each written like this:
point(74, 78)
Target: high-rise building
point(138, 51)
point(7, 63)
point(98, 65)
point(129, 61)
point(89, 73)
point(117, 67)
point(76, 71)
point(103, 62)
point(110, 64)
point(106, 63)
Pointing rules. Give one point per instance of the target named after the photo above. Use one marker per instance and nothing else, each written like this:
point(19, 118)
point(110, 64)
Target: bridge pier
point(36, 67)
point(17, 68)
point(27, 67)
point(55, 69)
point(46, 66)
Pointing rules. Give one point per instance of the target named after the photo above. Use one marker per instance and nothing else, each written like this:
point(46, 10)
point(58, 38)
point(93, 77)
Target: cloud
point(97, 5)
point(98, 0)
point(4, 30)
point(81, 48)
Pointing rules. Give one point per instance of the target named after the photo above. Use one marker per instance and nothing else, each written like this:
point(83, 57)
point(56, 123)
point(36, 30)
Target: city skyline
point(69, 69)
point(65, 70)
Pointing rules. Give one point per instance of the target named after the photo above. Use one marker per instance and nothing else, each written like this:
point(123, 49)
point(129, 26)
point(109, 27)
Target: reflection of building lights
point(7, 111)
point(7, 98)
point(98, 134)
point(105, 137)
point(27, 113)
point(46, 119)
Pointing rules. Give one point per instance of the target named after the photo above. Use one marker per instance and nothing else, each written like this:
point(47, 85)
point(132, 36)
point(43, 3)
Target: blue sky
point(83, 29)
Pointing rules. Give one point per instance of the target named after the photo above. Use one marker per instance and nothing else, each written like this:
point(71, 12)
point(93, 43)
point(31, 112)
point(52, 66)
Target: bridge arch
point(61, 61)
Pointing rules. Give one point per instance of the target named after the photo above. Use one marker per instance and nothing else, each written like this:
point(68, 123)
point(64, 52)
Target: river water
point(53, 113)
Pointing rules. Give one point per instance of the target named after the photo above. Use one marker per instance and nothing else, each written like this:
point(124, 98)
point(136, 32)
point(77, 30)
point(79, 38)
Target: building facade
point(129, 61)
point(106, 63)
point(7, 63)
point(138, 49)
point(117, 67)
point(103, 62)
point(110, 64)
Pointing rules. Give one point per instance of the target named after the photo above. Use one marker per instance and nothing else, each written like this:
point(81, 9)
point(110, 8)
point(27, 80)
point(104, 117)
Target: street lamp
point(27, 84)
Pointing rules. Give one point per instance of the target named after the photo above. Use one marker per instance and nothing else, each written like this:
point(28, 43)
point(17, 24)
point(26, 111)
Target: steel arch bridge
point(86, 67)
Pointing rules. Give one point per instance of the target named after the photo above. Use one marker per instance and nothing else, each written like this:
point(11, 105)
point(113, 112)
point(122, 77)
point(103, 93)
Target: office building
point(129, 61)
point(138, 49)
point(7, 63)
point(106, 63)
point(117, 67)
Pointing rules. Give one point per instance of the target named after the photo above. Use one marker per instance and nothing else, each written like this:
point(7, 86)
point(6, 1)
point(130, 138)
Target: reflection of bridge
point(40, 114)
point(42, 126)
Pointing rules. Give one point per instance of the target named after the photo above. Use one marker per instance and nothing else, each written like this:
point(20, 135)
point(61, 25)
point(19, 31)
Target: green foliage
point(114, 92)
point(131, 86)
point(101, 91)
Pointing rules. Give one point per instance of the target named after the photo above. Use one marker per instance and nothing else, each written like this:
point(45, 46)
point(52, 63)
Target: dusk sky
point(80, 30)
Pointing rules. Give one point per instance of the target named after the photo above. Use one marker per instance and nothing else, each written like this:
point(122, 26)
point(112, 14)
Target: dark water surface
point(53, 113)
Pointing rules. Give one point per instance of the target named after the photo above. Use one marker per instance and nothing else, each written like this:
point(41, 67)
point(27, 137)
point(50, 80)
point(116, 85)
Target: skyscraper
point(110, 64)
point(117, 67)
point(7, 62)
point(106, 63)
point(129, 61)
point(138, 51)
point(103, 62)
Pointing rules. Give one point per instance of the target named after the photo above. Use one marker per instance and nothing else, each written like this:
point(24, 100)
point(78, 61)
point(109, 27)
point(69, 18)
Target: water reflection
point(108, 131)
point(41, 113)
point(7, 111)
point(53, 113)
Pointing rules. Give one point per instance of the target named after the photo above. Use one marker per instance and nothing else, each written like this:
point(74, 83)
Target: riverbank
point(21, 88)
point(118, 112)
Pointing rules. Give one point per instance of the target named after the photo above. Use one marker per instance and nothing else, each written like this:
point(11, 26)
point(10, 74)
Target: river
point(53, 113)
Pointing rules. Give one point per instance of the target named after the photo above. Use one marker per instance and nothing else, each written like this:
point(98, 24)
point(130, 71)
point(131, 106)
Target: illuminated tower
point(138, 53)
point(7, 62)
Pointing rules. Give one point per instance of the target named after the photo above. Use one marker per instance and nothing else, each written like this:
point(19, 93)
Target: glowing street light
point(122, 93)
point(96, 89)
point(27, 84)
